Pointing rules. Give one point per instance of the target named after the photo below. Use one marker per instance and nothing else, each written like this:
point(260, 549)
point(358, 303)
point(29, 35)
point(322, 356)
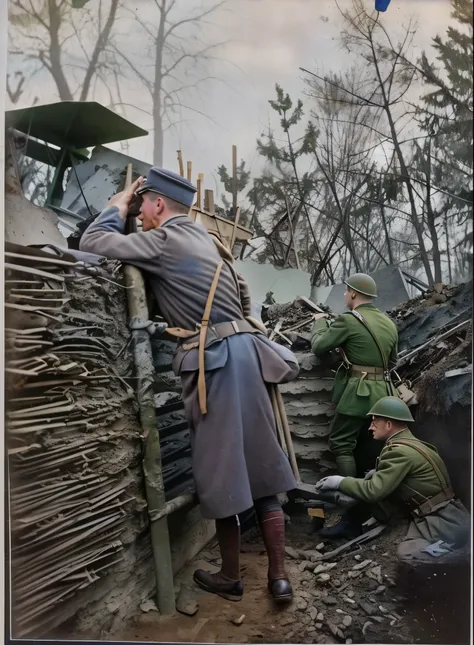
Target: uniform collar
point(173, 220)
point(367, 305)
point(401, 434)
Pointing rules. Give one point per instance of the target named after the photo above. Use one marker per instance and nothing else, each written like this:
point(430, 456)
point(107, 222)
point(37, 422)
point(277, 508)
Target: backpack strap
point(387, 378)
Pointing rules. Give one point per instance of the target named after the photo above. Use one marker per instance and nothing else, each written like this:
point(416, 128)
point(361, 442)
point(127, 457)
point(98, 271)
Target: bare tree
point(172, 65)
point(386, 84)
point(65, 38)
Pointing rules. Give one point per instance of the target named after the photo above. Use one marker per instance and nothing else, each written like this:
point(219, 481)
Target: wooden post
point(234, 230)
point(234, 181)
point(152, 469)
point(189, 166)
point(180, 163)
point(200, 182)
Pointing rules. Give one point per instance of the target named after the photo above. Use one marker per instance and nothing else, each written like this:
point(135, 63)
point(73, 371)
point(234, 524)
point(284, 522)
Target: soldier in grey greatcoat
point(237, 460)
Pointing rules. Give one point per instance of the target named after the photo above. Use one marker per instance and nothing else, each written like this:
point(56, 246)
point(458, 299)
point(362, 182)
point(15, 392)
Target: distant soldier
point(411, 474)
point(368, 340)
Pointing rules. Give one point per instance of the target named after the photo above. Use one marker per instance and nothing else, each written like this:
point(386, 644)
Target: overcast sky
point(265, 43)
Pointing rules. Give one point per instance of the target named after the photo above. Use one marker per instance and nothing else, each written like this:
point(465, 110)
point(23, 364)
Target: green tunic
point(402, 473)
point(354, 395)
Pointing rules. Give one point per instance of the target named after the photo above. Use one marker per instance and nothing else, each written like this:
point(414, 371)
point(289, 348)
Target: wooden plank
point(189, 168)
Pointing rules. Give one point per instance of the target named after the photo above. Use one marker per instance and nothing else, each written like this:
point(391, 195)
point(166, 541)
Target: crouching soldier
point(411, 474)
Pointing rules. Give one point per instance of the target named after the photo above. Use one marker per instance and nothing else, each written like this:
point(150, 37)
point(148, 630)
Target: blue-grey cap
point(169, 184)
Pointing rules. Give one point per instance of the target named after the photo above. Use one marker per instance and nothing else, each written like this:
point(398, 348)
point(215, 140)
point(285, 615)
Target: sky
point(265, 42)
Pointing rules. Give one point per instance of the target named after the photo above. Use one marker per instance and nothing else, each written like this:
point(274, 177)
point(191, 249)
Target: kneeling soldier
point(411, 473)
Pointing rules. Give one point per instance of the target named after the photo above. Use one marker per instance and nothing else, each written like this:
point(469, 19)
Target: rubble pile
point(291, 321)
point(435, 346)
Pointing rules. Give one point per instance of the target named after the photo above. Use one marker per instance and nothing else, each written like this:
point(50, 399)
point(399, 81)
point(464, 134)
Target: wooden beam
point(189, 167)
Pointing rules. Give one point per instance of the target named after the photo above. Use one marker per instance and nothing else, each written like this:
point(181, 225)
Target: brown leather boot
point(226, 583)
point(272, 526)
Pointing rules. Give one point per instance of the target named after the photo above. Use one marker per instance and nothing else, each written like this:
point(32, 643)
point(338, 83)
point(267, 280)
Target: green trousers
point(352, 445)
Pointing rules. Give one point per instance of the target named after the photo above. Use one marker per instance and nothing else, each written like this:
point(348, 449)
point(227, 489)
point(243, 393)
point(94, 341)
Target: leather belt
point(371, 373)
point(430, 505)
point(219, 332)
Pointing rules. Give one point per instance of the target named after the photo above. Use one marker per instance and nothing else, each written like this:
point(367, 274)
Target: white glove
point(370, 474)
point(329, 483)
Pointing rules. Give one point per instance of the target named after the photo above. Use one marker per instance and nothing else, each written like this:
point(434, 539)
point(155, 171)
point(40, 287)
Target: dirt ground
point(345, 605)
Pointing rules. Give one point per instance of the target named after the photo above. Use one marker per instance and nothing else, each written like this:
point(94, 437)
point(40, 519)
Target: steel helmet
point(391, 407)
point(362, 283)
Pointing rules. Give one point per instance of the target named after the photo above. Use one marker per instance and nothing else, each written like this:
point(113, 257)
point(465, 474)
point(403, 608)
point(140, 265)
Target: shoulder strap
point(362, 320)
point(416, 446)
point(202, 339)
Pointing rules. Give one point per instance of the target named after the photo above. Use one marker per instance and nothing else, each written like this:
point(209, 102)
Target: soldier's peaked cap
point(169, 184)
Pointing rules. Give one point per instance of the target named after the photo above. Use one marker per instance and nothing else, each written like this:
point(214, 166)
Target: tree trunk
point(404, 170)
point(55, 66)
point(158, 95)
point(102, 40)
point(431, 221)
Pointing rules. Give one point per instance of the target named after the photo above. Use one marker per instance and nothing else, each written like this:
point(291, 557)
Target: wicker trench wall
point(80, 545)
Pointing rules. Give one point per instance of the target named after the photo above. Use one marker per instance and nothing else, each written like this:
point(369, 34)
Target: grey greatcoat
point(236, 454)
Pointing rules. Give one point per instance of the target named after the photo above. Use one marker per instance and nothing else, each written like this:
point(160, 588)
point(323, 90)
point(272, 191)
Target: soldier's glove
point(369, 474)
point(329, 483)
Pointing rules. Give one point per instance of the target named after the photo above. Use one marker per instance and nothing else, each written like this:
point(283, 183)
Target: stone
point(378, 619)
point(318, 625)
point(320, 617)
point(348, 641)
point(380, 589)
point(390, 581)
point(365, 606)
point(330, 600)
point(383, 609)
point(354, 574)
point(239, 620)
point(301, 604)
point(357, 557)
point(347, 621)
point(313, 613)
point(323, 578)
point(287, 619)
point(361, 565)
point(351, 593)
point(320, 546)
point(187, 603)
point(305, 565)
point(292, 553)
point(375, 573)
point(349, 600)
point(305, 619)
point(148, 605)
point(366, 627)
point(324, 567)
point(335, 631)
point(304, 594)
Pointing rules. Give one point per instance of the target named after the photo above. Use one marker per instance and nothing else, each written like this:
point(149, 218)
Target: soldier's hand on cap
point(329, 483)
point(122, 200)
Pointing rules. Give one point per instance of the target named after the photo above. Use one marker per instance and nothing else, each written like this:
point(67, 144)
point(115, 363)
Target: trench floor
point(377, 602)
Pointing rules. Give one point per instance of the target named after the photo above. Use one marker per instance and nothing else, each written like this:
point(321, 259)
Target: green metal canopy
point(73, 124)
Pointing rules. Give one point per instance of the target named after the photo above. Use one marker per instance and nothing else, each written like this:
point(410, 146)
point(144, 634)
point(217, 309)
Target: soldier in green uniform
point(410, 474)
point(363, 378)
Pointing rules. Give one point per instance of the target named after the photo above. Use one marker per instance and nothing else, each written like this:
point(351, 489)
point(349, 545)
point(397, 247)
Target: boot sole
point(283, 599)
point(222, 594)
